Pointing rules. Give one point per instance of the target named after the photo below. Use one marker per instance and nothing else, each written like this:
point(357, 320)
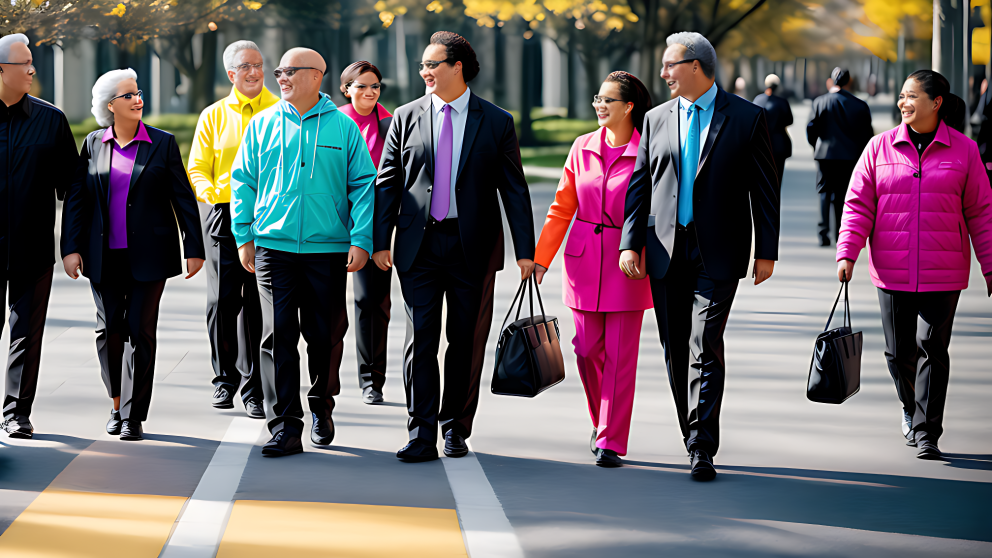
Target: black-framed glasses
point(31, 68)
point(290, 71)
point(432, 64)
point(361, 86)
point(246, 67)
point(127, 96)
point(671, 65)
point(599, 99)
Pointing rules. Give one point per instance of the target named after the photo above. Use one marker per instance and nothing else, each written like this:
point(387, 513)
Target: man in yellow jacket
point(234, 319)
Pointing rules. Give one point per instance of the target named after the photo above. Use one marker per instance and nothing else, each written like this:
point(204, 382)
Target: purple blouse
point(121, 163)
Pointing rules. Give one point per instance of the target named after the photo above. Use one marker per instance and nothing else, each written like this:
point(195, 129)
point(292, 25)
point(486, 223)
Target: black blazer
point(778, 114)
point(839, 126)
point(489, 164)
point(160, 195)
point(736, 182)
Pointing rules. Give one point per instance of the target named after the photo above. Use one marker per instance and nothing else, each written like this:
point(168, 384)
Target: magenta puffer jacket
point(917, 217)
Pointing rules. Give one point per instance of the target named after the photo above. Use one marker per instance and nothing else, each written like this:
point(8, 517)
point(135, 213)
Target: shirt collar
point(142, 134)
point(238, 99)
point(941, 135)
point(704, 102)
point(459, 104)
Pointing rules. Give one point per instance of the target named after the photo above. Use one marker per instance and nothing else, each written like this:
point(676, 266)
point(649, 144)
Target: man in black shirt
point(37, 158)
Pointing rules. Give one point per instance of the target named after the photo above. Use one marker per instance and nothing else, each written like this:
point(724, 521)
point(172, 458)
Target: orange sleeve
point(559, 216)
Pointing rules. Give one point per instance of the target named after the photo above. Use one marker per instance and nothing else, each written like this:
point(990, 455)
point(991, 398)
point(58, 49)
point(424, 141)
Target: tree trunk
point(202, 90)
point(648, 69)
point(573, 97)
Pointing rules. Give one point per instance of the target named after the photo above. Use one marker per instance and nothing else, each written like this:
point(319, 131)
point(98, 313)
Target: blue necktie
point(690, 162)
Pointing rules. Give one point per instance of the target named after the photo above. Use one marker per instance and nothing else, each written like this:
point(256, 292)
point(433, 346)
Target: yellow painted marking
point(267, 529)
point(82, 524)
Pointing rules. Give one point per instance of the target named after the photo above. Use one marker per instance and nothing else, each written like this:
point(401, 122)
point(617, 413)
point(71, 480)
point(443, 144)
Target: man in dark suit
point(839, 129)
point(37, 157)
point(704, 172)
point(778, 114)
point(447, 156)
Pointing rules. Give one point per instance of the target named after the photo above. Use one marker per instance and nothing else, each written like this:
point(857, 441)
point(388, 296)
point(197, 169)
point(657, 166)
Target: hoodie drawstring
point(316, 140)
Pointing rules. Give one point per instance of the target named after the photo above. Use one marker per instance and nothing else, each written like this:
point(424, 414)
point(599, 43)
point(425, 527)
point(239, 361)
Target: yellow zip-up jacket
point(215, 144)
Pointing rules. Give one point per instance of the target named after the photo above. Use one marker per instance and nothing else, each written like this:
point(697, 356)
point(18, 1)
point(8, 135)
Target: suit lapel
point(103, 166)
point(673, 138)
point(716, 124)
point(472, 126)
point(140, 161)
point(426, 124)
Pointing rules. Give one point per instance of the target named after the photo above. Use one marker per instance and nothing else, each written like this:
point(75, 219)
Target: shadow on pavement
point(969, 461)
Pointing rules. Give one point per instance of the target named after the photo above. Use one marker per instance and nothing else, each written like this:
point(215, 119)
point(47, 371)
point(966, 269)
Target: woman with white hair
point(119, 230)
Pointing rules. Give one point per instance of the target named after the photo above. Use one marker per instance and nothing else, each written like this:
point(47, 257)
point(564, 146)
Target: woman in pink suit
point(917, 194)
point(607, 305)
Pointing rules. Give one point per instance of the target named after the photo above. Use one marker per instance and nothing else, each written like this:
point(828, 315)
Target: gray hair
point(104, 90)
point(234, 48)
point(696, 48)
point(772, 82)
point(7, 42)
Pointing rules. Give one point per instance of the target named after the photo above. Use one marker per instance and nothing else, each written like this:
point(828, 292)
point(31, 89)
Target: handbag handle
point(847, 307)
point(512, 302)
point(532, 283)
point(544, 318)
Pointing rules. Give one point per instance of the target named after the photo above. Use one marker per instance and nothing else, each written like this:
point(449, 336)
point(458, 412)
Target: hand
point(845, 270)
point(526, 268)
point(73, 264)
point(383, 260)
point(193, 265)
point(762, 270)
point(630, 262)
point(539, 271)
point(247, 254)
point(357, 258)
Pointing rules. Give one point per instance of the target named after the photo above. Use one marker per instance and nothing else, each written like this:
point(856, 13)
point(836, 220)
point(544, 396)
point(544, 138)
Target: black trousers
point(780, 169)
point(833, 176)
point(692, 310)
point(28, 303)
point(372, 307)
point(917, 329)
point(300, 293)
point(126, 333)
point(234, 318)
point(440, 273)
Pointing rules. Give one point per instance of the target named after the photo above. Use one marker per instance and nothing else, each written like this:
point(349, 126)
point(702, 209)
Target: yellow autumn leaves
point(612, 14)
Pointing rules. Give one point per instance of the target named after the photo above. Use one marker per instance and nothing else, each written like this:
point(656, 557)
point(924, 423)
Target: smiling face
point(611, 114)
point(17, 77)
point(446, 80)
point(363, 97)
point(249, 82)
point(917, 108)
point(679, 77)
point(302, 88)
point(127, 112)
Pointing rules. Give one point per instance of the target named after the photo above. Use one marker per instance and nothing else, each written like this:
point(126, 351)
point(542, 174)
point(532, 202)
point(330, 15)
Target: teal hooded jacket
point(303, 184)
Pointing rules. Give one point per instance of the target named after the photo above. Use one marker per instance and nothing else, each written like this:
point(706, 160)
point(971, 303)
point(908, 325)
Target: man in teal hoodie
point(301, 214)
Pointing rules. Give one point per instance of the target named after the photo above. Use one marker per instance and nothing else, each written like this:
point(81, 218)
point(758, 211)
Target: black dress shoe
point(18, 426)
point(114, 424)
point(928, 450)
point(417, 451)
point(592, 442)
point(131, 430)
point(282, 444)
point(322, 433)
point(371, 396)
point(608, 458)
point(702, 466)
point(454, 444)
point(254, 408)
point(223, 399)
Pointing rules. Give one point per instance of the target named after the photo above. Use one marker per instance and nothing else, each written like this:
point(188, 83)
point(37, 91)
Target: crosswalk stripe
point(487, 531)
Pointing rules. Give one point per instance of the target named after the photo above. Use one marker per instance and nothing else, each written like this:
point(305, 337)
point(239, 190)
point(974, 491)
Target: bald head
point(304, 57)
point(302, 89)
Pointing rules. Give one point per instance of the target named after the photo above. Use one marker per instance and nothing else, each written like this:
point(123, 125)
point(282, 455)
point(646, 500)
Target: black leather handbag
point(528, 355)
point(835, 373)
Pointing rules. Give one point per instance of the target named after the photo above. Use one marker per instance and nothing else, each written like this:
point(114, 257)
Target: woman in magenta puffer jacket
point(919, 191)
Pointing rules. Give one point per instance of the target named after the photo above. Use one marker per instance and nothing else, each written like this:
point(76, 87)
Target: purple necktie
point(440, 201)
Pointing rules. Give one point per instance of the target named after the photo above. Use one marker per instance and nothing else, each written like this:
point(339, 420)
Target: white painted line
point(487, 531)
point(201, 525)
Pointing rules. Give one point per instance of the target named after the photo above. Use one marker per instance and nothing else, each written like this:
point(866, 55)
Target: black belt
point(599, 226)
point(449, 226)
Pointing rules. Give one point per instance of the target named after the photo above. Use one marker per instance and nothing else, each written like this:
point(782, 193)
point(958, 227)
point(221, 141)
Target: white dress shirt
point(459, 116)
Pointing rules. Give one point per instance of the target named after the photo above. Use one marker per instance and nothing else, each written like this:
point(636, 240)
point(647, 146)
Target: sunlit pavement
point(796, 478)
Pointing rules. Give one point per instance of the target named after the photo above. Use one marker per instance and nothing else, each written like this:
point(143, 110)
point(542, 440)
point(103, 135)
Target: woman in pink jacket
point(607, 306)
point(918, 192)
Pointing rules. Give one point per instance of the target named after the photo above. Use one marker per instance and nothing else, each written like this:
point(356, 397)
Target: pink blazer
point(594, 196)
point(916, 217)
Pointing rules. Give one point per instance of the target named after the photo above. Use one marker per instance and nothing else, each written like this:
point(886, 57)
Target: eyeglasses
point(247, 67)
point(361, 87)
point(671, 65)
point(290, 71)
point(127, 96)
point(599, 99)
point(30, 67)
point(432, 64)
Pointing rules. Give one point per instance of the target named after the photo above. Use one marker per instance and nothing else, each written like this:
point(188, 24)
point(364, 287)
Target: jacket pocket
point(576, 243)
point(321, 221)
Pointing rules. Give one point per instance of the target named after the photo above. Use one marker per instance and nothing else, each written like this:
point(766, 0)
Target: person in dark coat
point(778, 113)
point(37, 155)
point(119, 230)
point(839, 129)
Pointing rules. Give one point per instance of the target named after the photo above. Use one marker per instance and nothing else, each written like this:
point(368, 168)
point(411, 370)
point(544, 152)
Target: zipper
point(299, 226)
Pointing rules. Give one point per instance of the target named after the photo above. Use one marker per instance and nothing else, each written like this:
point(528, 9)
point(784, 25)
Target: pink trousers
point(606, 353)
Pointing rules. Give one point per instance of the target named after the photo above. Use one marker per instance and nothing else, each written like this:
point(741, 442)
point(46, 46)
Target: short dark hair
point(632, 91)
point(354, 70)
point(458, 49)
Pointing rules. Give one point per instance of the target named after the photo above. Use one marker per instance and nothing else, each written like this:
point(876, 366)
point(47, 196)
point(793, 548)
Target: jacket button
point(916, 175)
point(428, 189)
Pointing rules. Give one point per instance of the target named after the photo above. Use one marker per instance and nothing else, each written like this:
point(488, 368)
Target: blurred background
point(541, 60)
